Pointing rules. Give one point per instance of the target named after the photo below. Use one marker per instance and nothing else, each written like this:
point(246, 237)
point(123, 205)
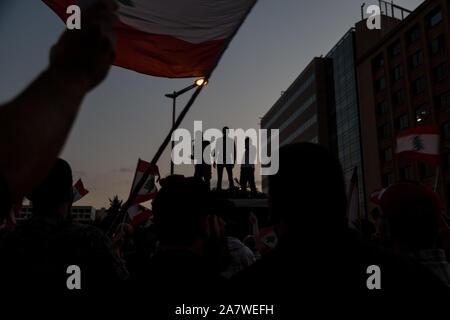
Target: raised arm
point(35, 125)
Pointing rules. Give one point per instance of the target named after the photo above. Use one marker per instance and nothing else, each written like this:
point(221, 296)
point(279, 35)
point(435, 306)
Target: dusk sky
point(127, 116)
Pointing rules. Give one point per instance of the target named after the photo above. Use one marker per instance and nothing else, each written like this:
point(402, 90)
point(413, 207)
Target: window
point(399, 97)
point(419, 85)
point(378, 62)
point(443, 101)
point(440, 72)
point(414, 34)
point(388, 179)
point(396, 48)
point(406, 173)
point(384, 131)
point(387, 155)
point(422, 113)
point(398, 72)
point(426, 170)
point(437, 44)
point(417, 59)
point(435, 17)
point(446, 131)
point(382, 107)
point(380, 84)
point(402, 122)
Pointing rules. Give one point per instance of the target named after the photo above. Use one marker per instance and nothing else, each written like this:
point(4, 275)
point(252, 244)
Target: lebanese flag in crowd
point(268, 237)
point(79, 191)
point(353, 213)
point(171, 38)
point(149, 189)
point(139, 214)
point(420, 144)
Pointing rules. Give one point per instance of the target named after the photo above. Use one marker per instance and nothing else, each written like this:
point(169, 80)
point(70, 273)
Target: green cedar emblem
point(127, 3)
point(418, 143)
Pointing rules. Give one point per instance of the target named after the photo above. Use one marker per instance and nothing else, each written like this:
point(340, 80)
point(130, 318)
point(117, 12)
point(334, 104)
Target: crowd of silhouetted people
point(197, 251)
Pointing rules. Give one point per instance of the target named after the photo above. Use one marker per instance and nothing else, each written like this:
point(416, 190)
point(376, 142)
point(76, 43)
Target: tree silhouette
point(114, 205)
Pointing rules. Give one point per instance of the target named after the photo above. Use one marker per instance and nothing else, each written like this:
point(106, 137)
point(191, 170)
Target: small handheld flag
point(79, 191)
point(139, 214)
point(420, 144)
point(149, 189)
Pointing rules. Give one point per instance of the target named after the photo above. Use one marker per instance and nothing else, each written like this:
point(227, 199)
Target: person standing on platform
point(248, 167)
point(224, 157)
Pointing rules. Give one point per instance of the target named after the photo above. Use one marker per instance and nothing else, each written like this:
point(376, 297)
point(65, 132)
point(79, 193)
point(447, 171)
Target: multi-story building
point(302, 111)
point(81, 214)
point(346, 109)
point(403, 72)
point(330, 115)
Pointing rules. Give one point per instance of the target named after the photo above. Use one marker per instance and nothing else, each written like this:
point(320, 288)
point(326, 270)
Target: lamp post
point(198, 83)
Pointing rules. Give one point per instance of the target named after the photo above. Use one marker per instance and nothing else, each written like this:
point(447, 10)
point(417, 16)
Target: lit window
point(422, 113)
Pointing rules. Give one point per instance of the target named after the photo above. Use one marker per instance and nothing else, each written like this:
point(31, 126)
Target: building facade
point(346, 110)
point(330, 86)
point(80, 214)
point(403, 72)
point(302, 112)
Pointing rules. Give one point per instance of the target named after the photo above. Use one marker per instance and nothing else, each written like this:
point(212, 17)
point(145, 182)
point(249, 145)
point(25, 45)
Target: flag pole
point(180, 118)
point(158, 154)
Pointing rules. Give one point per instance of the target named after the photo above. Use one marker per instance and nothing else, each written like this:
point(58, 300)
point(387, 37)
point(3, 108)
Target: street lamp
point(198, 83)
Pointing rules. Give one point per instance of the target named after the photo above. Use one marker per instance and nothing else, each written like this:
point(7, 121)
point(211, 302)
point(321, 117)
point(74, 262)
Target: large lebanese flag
point(149, 189)
point(171, 38)
point(420, 144)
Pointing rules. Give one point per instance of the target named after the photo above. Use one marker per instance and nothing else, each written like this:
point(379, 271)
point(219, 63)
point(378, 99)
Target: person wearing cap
point(411, 213)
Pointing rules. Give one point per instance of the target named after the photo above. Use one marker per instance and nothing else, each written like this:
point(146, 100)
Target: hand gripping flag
point(149, 189)
point(79, 191)
point(139, 214)
point(171, 38)
point(420, 144)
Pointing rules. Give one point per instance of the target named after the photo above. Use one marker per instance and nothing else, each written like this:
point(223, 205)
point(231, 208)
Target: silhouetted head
point(411, 212)
point(181, 210)
point(54, 196)
point(307, 195)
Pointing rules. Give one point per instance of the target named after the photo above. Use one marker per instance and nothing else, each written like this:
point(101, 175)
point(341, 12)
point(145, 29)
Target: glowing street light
point(198, 83)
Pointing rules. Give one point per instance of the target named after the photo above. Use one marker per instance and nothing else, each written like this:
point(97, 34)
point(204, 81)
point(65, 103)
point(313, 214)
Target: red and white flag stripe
point(149, 188)
point(139, 214)
point(79, 191)
point(171, 38)
point(420, 144)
